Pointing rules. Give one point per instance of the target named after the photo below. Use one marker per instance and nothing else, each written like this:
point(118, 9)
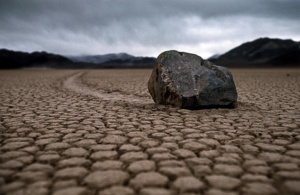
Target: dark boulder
point(187, 81)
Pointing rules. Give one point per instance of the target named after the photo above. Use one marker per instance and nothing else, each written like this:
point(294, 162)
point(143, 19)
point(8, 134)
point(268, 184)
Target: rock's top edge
point(179, 54)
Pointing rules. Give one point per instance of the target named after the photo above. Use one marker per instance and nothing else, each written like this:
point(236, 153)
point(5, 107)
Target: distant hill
point(99, 59)
point(114, 60)
point(16, 59)
point(262, 52)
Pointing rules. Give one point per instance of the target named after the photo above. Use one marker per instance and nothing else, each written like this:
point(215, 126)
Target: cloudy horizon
point(143, 28)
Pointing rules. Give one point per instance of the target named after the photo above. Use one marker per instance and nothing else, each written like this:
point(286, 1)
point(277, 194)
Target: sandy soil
point(99, 132)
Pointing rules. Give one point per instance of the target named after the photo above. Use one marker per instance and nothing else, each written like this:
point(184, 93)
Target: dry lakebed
point(99, 132)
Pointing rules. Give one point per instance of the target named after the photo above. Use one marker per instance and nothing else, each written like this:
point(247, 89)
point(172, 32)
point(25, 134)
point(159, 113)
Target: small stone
point(223, 182)
point(187, 81)
point(101, 179)
point(184, 184)
point(149, 179)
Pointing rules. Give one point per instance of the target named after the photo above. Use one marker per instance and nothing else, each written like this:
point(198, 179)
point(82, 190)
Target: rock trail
point(73, 83)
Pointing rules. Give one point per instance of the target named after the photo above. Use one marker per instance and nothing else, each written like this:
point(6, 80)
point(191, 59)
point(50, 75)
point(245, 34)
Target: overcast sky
point(143, 27)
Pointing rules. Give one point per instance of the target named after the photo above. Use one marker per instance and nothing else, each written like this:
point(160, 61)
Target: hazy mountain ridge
point(99, 59)
point(262, 52)
point(114, 60)
point(16, 59)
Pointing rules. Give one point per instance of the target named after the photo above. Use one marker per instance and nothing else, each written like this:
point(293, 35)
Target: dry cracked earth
point(98, 132)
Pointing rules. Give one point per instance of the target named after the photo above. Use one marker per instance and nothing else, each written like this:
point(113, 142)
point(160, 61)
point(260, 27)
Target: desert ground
point(99, 132)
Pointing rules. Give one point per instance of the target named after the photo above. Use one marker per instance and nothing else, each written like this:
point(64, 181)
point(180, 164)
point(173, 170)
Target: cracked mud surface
point(99, 132)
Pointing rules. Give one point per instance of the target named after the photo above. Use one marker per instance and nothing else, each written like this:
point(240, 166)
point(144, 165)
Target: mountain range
point(16, 59)
point(99, 59)
point(262, 52)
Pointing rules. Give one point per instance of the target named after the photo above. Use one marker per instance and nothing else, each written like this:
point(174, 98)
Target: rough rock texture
point(187, 81)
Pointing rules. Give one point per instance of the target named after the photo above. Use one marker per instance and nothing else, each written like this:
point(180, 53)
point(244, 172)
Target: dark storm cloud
point(143, 27)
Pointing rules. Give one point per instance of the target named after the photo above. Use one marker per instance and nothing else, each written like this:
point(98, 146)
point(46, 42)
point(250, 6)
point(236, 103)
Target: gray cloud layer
point(143, 27)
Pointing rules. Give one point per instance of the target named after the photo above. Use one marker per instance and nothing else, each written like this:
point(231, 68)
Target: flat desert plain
point(99, 132)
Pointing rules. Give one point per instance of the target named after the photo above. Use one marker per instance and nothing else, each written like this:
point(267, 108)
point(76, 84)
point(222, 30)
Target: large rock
point(187, 81)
